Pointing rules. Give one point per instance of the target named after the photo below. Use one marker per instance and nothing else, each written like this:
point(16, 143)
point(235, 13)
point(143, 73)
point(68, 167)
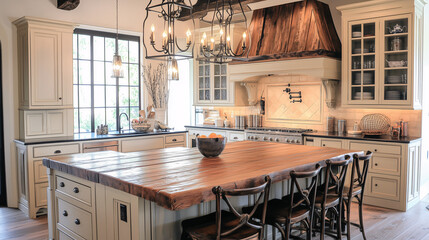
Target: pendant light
point(117, 69)
point(217, 48)
point(168, 49)
point(173, 70)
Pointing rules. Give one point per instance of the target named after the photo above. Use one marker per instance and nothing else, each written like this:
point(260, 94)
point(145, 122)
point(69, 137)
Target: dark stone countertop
point(216, 128)
point(92, 136)
point(382, 138)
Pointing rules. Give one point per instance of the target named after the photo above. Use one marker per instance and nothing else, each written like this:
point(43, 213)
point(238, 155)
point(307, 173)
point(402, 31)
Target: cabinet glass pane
point(396, 43)
point(216, 69)
point(396, 76)
point(356, 62)
point(368, 78)
point(396, 60)
point(223, 71)
point(201, 95)
point(396, 26)
point(223, 85)
point(356, 46)
point(368, 93)
point(369, 62)
point(223, 94)
point(216, 94)
point(201, 70)
point(395, 93)
point(356, 31)
point(207, 94)
point(207, 82)
point(369, 29)
point(356, 93)
point(356, 78)
point(217, 82)
point(369, 45)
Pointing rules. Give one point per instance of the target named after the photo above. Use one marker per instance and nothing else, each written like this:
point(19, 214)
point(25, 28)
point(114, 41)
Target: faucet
point(120, 125)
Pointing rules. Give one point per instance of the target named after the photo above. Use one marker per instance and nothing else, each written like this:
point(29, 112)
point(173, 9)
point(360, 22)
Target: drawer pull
point(376, 185)
point(323, 145)
point(76, 190)
point(309, 139)
point(60, 98)
point(375, 150)
point(235, 137)
point(376, 164)
point(65, 213)
point(174, 140)
point(57, 151)
point(77, 221)
point(62, 184)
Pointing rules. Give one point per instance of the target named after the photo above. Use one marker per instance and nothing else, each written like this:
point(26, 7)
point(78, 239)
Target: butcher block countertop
point(177, 178)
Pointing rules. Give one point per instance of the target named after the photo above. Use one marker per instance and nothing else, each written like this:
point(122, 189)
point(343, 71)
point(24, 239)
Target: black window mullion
point(78, 88)
point(91, 44)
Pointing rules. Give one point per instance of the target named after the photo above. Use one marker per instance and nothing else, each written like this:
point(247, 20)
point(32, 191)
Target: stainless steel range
point(281, 135)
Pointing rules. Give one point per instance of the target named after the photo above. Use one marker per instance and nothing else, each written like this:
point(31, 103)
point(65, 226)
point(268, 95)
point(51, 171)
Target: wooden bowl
point(211, 147)
point(141, 127)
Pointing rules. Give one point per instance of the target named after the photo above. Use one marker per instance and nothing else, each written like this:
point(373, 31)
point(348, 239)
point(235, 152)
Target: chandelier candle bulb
point(244, 40)
point(212, 44)
point(152, 39)
point(228, 42)
point(188, 37)
point(164, 39)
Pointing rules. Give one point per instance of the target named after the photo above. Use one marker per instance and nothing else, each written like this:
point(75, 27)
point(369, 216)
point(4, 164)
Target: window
point(99, 98)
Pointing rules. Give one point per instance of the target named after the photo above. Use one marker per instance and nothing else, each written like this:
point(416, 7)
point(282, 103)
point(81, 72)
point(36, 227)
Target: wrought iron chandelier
point(219, 49)
point(168, 48)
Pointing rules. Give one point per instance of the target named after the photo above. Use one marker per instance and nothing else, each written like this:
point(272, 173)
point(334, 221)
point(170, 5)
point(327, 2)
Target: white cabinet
point(45, 123)
point(382, 54)
point(393, 179)
point(45, 68)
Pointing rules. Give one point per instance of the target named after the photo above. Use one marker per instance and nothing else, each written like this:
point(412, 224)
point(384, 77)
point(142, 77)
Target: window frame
point(92, 34)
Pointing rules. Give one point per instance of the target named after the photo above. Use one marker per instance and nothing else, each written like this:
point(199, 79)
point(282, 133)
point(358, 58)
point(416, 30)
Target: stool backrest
point(263, 191)
point(358, 175)
point(335, 180)
point(303, 196)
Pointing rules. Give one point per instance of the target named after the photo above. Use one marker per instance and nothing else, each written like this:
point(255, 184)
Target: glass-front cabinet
point(382, 54)
point(212, 84)
point(378, 61)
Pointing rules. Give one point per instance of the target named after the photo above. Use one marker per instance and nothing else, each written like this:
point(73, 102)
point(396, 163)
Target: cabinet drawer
point(40, 174)
point(63, 236)
point(383, 186)
point(142, 144)
point(175, 145)
point(174, 139)
point(73, 189)
point(376, 148)
point(235, 137)
point(75, 219)
point(206, 132)
point(55, 150)
point(387, 164)
point(332, 143)
point(41, 194)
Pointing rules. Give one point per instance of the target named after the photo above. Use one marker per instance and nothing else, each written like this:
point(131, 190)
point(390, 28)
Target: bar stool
point(356, 190)
point(330, 198)
point(229, 224)
point(297, 207)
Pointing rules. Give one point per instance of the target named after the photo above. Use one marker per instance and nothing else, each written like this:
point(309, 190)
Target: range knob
point(265, 138)
point(287, 140)
point(252, 137)
point(298, 141)
point(271, 139)
point(277, 140)
point(256, 138)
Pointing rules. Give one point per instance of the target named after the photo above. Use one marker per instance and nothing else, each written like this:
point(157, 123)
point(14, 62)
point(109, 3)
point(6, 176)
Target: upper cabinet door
point(395, 70)
point(45, 68)
point(363, 62)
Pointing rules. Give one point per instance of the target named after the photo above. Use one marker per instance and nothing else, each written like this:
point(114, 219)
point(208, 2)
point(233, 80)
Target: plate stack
point(393, 95)
point(394, 79)
point(367, 78)
point(356, 34)
point(366, 95)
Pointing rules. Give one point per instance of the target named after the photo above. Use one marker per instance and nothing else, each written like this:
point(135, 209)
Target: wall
point(99, 13)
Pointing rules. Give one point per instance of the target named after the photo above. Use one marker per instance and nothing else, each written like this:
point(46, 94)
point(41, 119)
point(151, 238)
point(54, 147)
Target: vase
point(161, 115)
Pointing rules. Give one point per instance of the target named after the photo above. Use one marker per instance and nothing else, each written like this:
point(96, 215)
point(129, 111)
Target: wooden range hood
point(296, 30)
point(292, 39)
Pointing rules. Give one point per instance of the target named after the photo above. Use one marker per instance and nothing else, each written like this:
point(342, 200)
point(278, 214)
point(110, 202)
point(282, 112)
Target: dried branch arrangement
point(156, 83)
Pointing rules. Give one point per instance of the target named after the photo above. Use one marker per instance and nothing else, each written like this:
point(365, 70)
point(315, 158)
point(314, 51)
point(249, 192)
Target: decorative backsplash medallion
point(280, 108)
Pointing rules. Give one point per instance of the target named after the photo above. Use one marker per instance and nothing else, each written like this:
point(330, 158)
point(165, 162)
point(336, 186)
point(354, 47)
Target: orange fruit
point(219, 136)
point(213, 135)
point(202, 136)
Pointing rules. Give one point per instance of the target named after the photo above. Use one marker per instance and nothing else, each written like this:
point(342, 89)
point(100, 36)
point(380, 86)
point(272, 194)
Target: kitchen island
point(146, 195)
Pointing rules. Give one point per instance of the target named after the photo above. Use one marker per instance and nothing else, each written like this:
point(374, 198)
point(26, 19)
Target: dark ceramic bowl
point(211, 147)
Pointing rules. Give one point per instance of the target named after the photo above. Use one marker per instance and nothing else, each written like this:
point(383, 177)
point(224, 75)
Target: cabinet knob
point(376, 164)
point(60, 98)
point(323, 145)
point(376, 185)
point(375, 150)
point(65, 213)
point(76, 190)
point(62, 184)
point(174, 140)
point(77, 221)
point(57, 151)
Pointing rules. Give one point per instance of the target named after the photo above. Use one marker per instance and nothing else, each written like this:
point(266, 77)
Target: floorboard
point(380, 224)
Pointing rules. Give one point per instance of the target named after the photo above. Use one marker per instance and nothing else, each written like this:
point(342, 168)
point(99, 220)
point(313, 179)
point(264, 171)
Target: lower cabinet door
point(332, 143)
point(383, 186)
point(63, 236)
point(41, 194)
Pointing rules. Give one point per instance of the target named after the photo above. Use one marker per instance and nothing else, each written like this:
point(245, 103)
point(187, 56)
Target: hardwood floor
point(380, 224)
point(15, 225)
